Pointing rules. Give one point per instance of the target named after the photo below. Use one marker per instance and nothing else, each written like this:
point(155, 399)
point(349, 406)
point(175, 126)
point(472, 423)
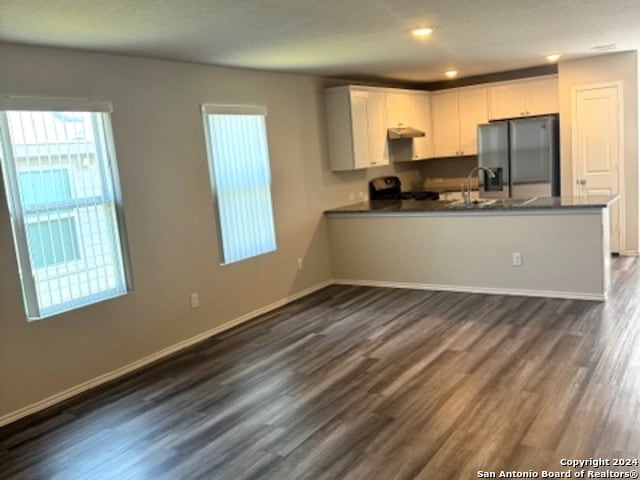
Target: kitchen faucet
point(466, 196)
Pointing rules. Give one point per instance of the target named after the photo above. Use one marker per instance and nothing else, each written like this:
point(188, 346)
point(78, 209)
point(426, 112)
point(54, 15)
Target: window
point(44, 186)
point(53, 239)
point(60, 177)
point(240, 178)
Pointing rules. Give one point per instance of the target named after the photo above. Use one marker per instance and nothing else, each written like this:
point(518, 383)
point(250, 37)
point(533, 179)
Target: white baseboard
point(119, 372)
point(629, 253)
point(457, 288)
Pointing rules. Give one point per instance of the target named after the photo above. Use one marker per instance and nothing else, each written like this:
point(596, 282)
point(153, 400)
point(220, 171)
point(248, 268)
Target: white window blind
point(240, 178)
point(62, 188)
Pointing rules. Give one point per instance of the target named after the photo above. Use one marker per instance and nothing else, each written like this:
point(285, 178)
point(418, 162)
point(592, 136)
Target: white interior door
point(596, 148)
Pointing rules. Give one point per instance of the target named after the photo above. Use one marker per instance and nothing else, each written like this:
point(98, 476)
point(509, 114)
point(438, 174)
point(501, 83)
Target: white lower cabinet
point(356, 127)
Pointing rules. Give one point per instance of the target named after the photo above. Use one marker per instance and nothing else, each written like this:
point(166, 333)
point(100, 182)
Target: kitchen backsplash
point(448, 184)
point(448, 167)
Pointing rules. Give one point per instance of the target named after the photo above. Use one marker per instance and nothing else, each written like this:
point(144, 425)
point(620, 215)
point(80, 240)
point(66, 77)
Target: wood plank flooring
point(364, 383)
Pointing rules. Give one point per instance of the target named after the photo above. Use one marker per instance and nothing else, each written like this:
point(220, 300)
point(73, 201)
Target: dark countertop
point(511, 204)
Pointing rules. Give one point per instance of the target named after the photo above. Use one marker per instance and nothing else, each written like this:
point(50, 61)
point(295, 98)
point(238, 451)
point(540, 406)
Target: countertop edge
point(425, 207)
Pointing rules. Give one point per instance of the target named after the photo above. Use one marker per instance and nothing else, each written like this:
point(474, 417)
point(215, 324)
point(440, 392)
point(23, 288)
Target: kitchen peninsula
point(547, 247)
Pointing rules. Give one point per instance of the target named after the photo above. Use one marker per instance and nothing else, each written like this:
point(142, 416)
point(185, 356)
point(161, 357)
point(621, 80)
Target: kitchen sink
point(492, 203)
point(478, 203)
point(516, 202)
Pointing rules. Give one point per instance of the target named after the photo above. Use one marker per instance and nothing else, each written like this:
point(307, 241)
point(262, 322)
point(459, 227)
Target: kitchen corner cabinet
point(409, 109)
point(524, 98)
point(356, 127)
point(456, 114)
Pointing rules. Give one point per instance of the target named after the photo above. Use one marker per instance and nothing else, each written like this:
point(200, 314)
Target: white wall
point(564, 252)
point(616, 67)
point(168, 205)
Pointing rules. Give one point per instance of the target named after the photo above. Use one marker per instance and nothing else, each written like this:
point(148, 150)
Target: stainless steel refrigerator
point(524, 154)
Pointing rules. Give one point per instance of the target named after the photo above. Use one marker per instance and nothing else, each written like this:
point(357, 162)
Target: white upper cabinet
point(472, 108)
point(446, 124)
point(422, 146)
point(543, 96)
point(356, 127)
point(399, 104)
point(358, 118)
point(407, 108)
point(456, 114)
point(524, 98)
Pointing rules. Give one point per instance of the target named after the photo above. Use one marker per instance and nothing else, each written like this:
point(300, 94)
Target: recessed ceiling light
point(451, 73)
point(421, 32)
point(554, 57)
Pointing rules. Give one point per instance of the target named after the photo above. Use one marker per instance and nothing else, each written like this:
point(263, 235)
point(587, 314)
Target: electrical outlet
point(516, 259)
point(352, 197)
point(361, 196)
point(195, 300)
point(300, 263)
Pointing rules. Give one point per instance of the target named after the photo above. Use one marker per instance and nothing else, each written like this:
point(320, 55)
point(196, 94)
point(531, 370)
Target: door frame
point(574, 142)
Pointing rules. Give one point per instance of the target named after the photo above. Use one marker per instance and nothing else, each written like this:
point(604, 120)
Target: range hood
point(397, 133)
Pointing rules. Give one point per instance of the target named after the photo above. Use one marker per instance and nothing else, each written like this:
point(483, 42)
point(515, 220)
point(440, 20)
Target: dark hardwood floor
point(364, 383)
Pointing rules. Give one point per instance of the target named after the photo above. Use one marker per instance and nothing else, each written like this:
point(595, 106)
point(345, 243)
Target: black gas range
point(390, 188)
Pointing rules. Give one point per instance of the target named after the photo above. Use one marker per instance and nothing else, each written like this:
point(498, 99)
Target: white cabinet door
point(456, 116)
point(399, 109)
point(472, 109)
point(421, 116)
point(377, 129)
point(409, 109)
point(360, 129)
point(542, 96)
point(523, 98)
point(356, 127)
point(507, 100)
point(446, 124)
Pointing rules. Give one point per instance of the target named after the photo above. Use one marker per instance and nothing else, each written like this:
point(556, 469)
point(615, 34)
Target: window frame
point(109, 175)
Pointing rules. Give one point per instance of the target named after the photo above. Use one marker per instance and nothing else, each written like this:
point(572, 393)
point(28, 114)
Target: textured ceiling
point(348, 38)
